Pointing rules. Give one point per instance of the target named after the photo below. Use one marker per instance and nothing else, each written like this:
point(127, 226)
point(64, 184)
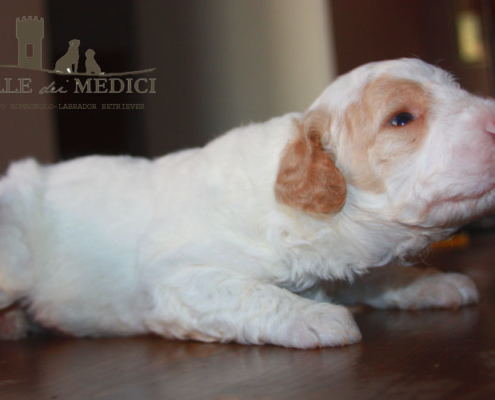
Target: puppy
point(92, 66)
point(241, 240)
point(68, 63)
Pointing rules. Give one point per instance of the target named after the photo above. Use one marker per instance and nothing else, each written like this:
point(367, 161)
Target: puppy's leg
point(410, 288)
point(210, 304)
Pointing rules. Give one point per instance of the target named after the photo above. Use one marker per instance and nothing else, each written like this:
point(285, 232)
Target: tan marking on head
point(373, 146)
point(308, 178)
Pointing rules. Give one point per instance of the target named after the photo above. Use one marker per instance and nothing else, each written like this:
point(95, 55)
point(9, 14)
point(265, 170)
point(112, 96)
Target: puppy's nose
point(490, 126)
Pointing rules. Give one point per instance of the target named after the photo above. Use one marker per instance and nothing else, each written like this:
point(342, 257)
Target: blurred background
point(220, 64)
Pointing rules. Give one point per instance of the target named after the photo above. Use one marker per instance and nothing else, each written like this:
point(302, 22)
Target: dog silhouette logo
point(30, 34)
point(92, 66)
point(68, 63)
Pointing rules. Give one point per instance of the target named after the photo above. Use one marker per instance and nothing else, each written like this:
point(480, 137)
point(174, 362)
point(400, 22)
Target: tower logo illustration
point(30, 34)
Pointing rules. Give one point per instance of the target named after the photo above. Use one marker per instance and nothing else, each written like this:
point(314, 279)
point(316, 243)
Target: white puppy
point(238, 240)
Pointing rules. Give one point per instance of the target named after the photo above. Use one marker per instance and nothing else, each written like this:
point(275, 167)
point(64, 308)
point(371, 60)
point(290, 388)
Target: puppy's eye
point(402, 119)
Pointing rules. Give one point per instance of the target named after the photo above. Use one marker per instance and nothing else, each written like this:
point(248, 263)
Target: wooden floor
point(404, 355)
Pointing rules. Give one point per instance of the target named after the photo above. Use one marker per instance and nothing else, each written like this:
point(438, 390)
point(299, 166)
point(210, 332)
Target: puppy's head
point(405, 139)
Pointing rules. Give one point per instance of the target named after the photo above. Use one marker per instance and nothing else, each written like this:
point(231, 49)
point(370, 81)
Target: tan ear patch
point(308, 178)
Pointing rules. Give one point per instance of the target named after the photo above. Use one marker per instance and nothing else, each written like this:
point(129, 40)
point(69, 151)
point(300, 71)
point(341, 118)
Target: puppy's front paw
point(321, 325)
point(450, 290)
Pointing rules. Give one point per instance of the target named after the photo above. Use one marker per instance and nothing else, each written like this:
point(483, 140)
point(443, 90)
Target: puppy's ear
point(307, 177)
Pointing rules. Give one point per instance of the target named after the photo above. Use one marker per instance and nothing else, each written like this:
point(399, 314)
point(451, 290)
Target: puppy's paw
point(321, 325)
point(13, 324)
point(450, 290)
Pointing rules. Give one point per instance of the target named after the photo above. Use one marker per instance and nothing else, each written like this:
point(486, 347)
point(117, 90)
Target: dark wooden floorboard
point(404, 355)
